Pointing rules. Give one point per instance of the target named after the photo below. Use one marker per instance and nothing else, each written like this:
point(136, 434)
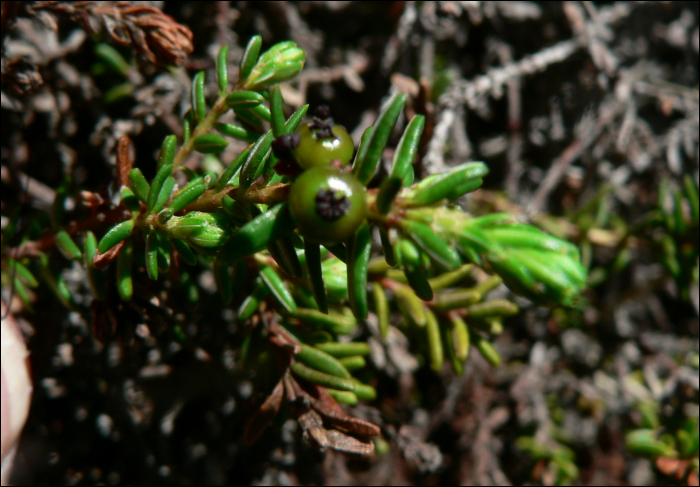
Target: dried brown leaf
point(314, 432)
point(101, 261)
point(349, 444)
point(282, 338)
point(334, 414)
point(125, 161)
point(267, 411)
point(153, 34)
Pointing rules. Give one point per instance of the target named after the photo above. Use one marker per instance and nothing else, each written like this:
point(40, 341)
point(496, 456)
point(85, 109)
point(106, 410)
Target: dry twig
point(153, 34)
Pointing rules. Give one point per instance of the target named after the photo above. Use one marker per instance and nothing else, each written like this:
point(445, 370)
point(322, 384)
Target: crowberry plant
point(294, 211)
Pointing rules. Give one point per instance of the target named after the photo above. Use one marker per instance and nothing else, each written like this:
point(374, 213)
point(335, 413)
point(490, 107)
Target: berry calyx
point(321, 142)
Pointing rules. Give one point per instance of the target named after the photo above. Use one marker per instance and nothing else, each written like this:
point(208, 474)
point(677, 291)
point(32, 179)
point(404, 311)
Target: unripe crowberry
point(327, 205)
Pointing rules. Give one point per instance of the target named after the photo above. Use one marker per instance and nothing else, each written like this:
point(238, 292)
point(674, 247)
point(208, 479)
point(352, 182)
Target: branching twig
point(588, 136)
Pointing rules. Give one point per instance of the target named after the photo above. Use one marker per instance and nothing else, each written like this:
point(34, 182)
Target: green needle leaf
point(253, 166)
point(163, 251)
point(278, 289)
point(456, 299)
point(409, 178)
point(435, 348)
point(436, 247)
point(343, 397)
point(251, 303)
point(231, 170)
point(364, 391)
point(344, 349)
point(115, 235)
point(158, 181)
point(460, 336)
point(449, 279)
point(449, 185)
point(334, 322)
point(412, 305)
point(370, 153)
point(322, 379)
point(187, 196)
point(277, 109)
point(262, 112)
point(95, 277)
point(353, 363)
point(222, 69)
point(260, 231)
point(210, 144)
point(184, 251)
point(165, 191)
point(249, 59)
point(486, 348)
point(166, 157)
point(387, 247)
point(359, 254)
point(139, 185)
point(236, 132)
point(295, 120)
point(199, 104)
point(125, 285)
point(284, 253)
point(22, 273)
point(449, 342)
point(412, 265)
point(244, 99)
point(487, 285)
point(381, 307)
point(407, 149)
point(187, 123)
point(129, 199)
point(321, 361)
point(312, 252)
point(67, 246)
point(152, 255)
point(492, 309)
point(249, 120)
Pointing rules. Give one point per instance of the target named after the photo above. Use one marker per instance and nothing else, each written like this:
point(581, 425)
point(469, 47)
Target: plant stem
point(203, 127)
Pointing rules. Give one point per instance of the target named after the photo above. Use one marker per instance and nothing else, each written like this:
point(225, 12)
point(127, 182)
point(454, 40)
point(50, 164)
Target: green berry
point(322, 143)
point(327, 205)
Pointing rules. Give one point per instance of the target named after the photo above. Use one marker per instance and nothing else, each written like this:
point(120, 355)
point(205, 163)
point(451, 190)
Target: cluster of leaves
point(305, 296)
point(670, 231)
point(679, 217)
point(555, 462)
point(673, 445)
